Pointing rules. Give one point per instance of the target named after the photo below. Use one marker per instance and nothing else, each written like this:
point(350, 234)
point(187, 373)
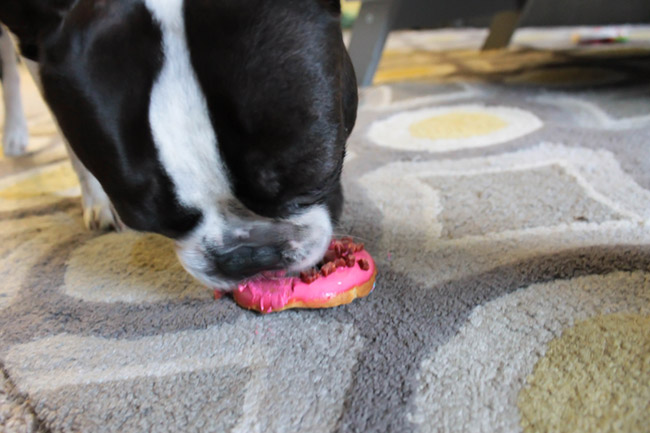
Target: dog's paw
point(15, 139)
point(98, 211)
point(101, 217)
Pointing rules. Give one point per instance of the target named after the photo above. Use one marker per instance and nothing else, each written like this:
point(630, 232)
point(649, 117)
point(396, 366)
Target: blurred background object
point(350, 12)
point(377, 18)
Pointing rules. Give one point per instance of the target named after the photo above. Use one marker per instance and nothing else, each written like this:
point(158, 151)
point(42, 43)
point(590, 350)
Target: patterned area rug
point(507, 203)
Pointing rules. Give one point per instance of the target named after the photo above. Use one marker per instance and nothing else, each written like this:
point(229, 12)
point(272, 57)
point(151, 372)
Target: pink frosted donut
point(348, 272)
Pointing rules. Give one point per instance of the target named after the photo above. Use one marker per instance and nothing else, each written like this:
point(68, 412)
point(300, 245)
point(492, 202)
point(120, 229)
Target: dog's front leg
point(98, 211)
point(15, 135)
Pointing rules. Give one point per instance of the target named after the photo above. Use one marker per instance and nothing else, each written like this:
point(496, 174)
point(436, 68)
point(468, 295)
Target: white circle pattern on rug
point(22, 244)
point(441, 218)
point(444, 129)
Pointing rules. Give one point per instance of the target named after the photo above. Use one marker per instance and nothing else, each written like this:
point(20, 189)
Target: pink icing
point(269, 294)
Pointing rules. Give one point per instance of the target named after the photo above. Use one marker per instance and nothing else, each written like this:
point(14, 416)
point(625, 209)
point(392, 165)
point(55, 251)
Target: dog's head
point(221, 124)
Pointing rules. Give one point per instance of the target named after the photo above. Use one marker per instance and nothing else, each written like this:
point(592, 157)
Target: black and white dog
point(218, 123)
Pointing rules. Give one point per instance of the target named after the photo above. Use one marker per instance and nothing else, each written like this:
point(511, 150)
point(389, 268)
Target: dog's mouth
point(227, 273)
point(345, 267)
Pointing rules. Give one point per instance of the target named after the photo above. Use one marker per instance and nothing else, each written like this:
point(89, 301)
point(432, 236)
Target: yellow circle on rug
point(595, 377)
point(457, 125)
point(453, 127)
point(388, 75)
point(48, 181)
point(129, 267)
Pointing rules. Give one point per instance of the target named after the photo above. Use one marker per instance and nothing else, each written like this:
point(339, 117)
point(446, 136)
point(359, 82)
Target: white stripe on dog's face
point(180, 125)
point(188, 150)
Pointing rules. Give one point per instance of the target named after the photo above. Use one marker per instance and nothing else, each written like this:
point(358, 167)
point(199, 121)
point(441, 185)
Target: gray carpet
point(507, 206)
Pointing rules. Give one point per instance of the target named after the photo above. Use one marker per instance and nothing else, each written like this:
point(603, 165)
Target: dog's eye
point(301, 203)
point(297, 207)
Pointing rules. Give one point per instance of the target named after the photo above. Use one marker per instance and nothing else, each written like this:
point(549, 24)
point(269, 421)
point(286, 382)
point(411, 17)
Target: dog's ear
point(334, 6)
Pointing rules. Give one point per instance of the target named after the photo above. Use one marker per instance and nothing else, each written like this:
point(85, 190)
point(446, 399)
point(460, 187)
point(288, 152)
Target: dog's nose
point(247, 261)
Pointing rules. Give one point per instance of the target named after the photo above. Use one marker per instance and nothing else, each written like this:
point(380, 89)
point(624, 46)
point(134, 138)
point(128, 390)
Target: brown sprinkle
point(327, 269)
point(309, 276)
point(364, 265)
point(330, 256)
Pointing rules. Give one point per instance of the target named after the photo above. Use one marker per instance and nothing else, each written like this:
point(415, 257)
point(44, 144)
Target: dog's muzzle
point(220, 256)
